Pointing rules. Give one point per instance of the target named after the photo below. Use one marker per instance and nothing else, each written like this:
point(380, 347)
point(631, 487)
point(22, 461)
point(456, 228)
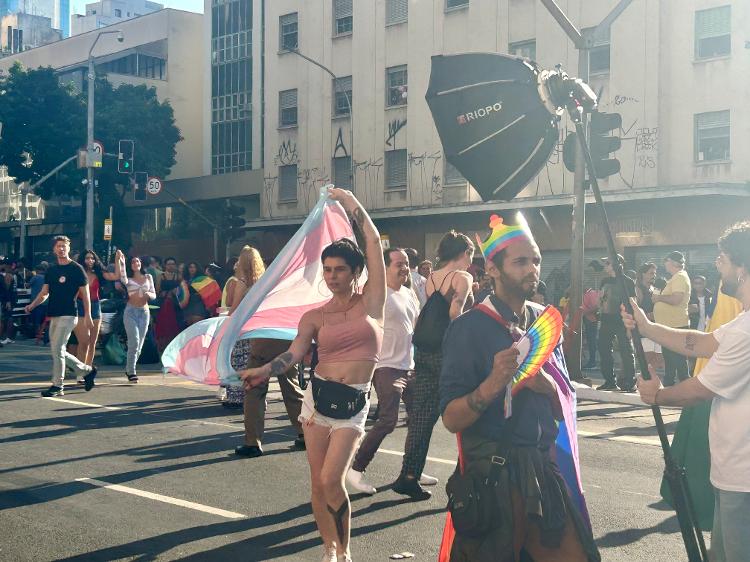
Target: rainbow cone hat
point(503, 235)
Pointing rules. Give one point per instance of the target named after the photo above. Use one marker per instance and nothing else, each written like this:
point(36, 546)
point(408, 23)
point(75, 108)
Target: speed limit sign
point(153, 185)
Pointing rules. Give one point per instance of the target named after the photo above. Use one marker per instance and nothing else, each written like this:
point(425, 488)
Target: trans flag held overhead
point(272, 308)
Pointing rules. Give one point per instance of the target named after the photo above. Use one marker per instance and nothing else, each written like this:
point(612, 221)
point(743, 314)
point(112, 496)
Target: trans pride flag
point(272, 308)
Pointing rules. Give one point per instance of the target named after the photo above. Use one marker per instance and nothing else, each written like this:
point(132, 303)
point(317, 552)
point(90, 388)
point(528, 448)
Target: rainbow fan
point(536, 345)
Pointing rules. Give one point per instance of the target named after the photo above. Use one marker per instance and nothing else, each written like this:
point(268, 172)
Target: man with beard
point(725, 380)
point(532, 509)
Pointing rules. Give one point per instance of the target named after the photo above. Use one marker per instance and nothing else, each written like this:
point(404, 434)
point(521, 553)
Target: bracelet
point(656, 397)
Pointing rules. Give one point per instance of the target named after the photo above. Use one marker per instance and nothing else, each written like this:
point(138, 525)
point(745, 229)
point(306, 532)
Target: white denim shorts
point(310, 415)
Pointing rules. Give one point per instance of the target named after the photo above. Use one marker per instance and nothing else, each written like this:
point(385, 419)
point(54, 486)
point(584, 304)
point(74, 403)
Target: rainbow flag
point(272, 308)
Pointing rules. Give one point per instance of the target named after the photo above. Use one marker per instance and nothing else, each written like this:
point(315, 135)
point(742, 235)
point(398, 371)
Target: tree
point(44, 123)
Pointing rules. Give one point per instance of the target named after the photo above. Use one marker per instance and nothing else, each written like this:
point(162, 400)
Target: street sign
point(153, 185)
point(94, 156)
point(108, 229)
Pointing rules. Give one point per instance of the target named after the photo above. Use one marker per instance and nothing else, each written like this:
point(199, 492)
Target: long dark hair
point(129, 266)
point(186, 271)
point(98, 267)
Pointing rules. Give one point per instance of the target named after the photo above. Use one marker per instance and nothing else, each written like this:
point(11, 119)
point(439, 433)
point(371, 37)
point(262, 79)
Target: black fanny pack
point(337, 400)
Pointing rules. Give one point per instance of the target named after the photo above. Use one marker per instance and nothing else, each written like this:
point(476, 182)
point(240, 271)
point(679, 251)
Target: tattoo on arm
point(281, 363)
point(690, 341)
point(476, 403)
point(357, 216)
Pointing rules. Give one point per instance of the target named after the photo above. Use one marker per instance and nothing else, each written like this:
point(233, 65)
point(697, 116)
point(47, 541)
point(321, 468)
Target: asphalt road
point(146, 473)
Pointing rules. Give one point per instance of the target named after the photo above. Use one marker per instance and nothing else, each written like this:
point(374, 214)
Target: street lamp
point(89, 228)
point(349, 106)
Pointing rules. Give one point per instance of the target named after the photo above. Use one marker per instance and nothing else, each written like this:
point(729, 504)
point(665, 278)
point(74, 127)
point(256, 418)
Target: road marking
point(433, 459)
point(164, 499)
point(89, 404)
point(654, 441)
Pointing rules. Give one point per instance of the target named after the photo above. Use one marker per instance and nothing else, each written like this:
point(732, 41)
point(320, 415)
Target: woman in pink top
point(348, 330)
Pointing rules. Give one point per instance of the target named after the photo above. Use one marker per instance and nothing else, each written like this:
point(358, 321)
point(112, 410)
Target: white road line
point(89, 404)
point(433, 459)
point(654, 441)
point(164, 499)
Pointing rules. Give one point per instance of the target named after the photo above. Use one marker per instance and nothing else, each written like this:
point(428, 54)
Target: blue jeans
point(60, 328)
point(730, 541)
point(136, 324)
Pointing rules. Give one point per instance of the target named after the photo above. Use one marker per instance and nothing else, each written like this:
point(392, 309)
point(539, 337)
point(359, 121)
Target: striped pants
point(425, 411)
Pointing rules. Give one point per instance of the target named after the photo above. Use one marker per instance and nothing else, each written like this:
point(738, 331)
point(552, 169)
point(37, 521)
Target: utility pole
point(583, 45)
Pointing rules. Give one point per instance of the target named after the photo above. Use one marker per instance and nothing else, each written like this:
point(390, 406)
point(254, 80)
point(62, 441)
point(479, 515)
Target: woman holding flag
point(348, 330)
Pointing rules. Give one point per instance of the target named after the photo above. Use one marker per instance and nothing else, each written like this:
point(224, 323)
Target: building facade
point(668, 68)
point(110, 12)
point(21, 32)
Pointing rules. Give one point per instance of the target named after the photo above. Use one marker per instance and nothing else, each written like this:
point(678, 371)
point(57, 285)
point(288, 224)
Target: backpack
point(432, 322)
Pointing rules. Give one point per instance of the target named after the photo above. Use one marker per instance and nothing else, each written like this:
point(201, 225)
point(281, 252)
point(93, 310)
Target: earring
point(322, 294)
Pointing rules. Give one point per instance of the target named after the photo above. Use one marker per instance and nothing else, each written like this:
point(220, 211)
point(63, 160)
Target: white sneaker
point(427, 480)
point(344, 558)
point(6, 341)
point(329, 554)
point(356, 480)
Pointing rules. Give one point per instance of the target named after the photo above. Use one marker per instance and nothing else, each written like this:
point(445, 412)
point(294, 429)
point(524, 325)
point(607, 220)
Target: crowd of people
point(441, 338)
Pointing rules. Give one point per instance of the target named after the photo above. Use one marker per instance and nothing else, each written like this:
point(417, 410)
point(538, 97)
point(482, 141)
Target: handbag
point(337, 400)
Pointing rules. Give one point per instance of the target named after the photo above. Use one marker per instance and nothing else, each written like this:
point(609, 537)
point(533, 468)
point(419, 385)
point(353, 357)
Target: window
point(712, 32)
point(342, 17)
point(288, 32)
point(449, 4)
point(288, 108)
point(397, 86)
point(598, 59)
point(712, 136)
point(451, 175)
point(526, 49)
point(118, 13)
point(342, 88)
point(396, 11)
point(342, 171)
point(395, 169)
point(288, 183)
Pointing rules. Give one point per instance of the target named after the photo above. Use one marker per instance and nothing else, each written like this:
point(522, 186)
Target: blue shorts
point(96, 309)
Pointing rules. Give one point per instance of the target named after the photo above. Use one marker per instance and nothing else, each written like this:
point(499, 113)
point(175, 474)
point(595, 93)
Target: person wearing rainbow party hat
point(527, 452)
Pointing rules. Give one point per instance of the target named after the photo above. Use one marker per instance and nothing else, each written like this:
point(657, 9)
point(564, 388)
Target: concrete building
point(58, 11)
point(669, 68)
point(110, 12)
point(21, 31)
point(159, 50)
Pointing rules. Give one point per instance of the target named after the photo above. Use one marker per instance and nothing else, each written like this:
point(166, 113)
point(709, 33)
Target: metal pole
point(89, 227)
point(22, 234)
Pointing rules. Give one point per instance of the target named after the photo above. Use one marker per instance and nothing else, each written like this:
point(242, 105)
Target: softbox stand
point(675, 474)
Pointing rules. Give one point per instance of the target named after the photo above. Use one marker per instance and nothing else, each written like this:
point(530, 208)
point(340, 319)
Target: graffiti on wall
point(287, 155)
point(393, 129)
point(340, 146)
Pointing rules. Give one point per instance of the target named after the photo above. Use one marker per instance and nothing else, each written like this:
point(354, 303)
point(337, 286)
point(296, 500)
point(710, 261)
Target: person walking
point(349, 331)
point(644, 292)
point(448, 292)
point(417, 279)
point(141, 290)
point(8, 301)
point(699, 304)
point(40, 313)
point(394, 364)
point(63, 282)
point(611, 328)
point(671, 309)
point(725, 381)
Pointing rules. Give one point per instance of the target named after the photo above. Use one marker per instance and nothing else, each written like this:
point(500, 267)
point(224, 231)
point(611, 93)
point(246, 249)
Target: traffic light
point(139, 186)
point(602, 144)
point(235, 220)
point(125, 156)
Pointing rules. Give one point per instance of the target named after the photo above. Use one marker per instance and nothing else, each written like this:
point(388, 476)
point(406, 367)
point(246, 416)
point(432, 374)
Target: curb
point(584, 392)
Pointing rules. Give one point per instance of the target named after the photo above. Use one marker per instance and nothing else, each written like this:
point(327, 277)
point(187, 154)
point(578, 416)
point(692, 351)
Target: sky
point(79, 6)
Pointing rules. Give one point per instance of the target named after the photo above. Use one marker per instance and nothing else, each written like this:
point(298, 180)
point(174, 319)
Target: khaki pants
point(263, 351)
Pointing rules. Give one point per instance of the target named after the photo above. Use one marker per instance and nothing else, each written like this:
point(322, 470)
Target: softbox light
point(491, 116)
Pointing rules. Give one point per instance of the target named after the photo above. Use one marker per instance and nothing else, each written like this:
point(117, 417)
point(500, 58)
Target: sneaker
point(132, 378)
point(627, 388)
point(427, 480)
point(357, 482)
point(249, 451)
point(53, 391)
point(607, 386)
point(80, 381)
point(329, 554)
point(6, 341)
point(88, 380)
point(299, 443)
point(410, 487)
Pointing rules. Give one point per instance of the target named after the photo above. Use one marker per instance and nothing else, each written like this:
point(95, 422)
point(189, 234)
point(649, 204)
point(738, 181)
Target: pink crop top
point(355, 339)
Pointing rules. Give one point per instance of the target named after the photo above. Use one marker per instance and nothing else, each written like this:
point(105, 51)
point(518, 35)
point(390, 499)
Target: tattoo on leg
point(690, 341)
point(281, 363)
point(338, 518)
point(476, 403)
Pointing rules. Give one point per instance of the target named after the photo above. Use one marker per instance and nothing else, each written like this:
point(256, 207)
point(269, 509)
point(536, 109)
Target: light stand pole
point(91, 76)
point(348, 105)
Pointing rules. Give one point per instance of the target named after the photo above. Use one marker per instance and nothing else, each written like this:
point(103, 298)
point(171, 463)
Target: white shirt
point(417, 283)
point(727, 374)
point(401, 312)
point(701, 314)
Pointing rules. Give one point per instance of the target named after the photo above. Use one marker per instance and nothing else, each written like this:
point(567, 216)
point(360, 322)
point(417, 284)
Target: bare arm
point(674, 299)
point(461, 284)
point(84, 295)
point(150, 291)
point(686, 393)
point(40, 298)
point(229, 288)
point(237, 292)
point(374, 291)
point(463, 412)
point(691, 343)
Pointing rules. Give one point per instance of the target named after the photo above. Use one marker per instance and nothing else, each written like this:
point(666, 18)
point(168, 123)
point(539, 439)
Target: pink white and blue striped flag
point(272, 308)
